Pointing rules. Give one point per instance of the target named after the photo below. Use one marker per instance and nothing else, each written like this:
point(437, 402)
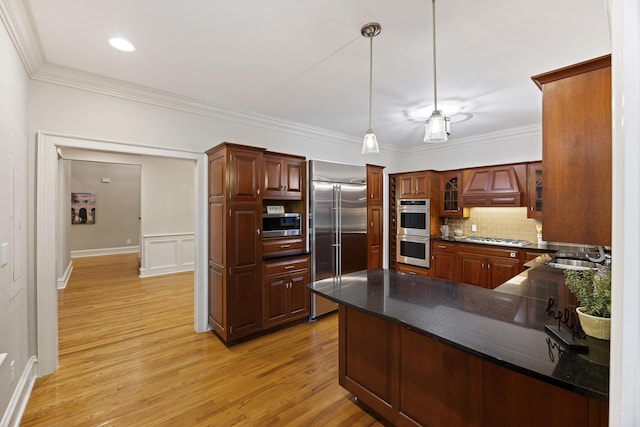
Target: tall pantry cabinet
point(235, 243)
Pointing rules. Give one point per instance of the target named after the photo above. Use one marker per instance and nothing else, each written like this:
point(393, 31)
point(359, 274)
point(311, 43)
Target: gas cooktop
point(496, 241)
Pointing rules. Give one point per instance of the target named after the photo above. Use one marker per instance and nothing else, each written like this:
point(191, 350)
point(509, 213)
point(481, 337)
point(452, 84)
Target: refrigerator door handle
point(334, 231)
point(339, 230)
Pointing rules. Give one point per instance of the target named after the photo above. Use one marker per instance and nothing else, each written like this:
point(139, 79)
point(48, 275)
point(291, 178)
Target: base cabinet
point(443, 260)
point(285, 294)
point(487, 267)
point(413, 380)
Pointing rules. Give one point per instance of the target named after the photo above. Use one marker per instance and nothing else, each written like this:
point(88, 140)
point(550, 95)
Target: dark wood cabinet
point(374, 236)
point(247, 294)
point(412, 269)
point(534, 190)
point(285, 294)
point(411, 379)
point(375, 183)
point(414, 185)
point(277, 246)
point(502, 185)
point(577, 152)
point(368, 359)
point(244, 170)
point(443, 260)
point(487, 267)
point(375, 215)
point(235, 241)
point(450, 195)
point(284, 176)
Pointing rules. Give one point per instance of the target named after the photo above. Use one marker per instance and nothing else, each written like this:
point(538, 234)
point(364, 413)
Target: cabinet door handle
point(289, 267)
point(258, 231)
point(482, 264)
point(285, 246)
point(258, 191)
point(411, 272)
point(442, 246)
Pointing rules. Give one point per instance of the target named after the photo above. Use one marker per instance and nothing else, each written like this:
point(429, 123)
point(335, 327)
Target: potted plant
point(593, 289)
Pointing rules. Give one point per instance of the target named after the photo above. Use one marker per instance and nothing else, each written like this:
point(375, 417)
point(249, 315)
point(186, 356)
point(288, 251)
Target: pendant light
point(437, 126)
point(370, 142)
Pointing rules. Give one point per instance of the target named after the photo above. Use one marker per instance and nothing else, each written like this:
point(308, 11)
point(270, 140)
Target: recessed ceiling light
point(121, 44)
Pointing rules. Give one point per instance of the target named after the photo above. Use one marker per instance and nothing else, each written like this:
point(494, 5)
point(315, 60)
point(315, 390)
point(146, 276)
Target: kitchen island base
point(412, 379)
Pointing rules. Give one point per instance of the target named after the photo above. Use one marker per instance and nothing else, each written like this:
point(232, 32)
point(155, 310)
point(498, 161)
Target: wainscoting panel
point(167, 253)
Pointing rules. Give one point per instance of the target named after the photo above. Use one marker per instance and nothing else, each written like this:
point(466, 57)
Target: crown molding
point(17, 19)
point(63, 76)
point(499, 137)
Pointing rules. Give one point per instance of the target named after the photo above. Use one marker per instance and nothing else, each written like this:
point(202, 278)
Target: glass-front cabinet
point(534, 190)
point(450, 188)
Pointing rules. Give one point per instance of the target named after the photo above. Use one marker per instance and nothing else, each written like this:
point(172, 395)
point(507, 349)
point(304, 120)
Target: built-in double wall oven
point(413, 231)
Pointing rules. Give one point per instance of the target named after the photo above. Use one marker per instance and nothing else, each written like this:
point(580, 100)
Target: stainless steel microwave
point(281, 224)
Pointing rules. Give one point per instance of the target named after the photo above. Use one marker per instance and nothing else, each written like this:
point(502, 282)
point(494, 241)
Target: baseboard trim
point(105, 251)
point(62, 281)
point(18, 403)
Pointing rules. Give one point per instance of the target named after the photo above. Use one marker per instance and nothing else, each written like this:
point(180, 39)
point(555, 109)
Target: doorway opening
point(46, 182)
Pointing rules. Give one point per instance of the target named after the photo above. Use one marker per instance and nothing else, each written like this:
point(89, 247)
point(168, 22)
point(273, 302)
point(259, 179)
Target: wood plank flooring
point(129, 356)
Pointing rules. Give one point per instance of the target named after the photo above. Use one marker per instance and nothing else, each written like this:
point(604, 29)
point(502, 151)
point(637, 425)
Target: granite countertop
point(504, 325)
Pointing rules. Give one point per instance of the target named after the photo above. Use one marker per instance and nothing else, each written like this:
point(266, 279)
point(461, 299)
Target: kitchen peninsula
point(423, 351)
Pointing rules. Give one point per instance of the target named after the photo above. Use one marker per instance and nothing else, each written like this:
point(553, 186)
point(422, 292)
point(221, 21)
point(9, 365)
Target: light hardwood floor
point(129, 356)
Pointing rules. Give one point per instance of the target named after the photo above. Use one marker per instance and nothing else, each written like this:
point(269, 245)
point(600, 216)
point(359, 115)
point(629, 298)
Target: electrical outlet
point(474, 228)
point(128, 241)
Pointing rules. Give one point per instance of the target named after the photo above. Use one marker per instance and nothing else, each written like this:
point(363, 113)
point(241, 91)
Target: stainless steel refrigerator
point(338, 224)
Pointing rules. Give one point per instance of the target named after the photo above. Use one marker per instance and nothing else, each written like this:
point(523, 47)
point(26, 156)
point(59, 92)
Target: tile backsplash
point(507, 223)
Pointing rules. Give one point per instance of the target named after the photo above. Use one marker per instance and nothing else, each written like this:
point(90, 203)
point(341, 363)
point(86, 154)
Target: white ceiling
point(305, 61)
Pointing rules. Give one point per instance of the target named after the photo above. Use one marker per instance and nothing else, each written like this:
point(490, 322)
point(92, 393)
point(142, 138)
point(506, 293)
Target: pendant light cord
point(370, 76)
point(435, 81)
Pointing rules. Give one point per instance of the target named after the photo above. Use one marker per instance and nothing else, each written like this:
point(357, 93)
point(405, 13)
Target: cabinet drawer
point(411, 269)
point(273, 246)
point(491, 251)
point(438, 245)
point(286, 265)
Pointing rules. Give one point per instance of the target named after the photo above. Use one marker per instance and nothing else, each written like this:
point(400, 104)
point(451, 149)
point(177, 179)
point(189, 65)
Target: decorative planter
point(596, 327)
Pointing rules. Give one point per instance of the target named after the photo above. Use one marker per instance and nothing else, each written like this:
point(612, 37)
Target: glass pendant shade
point(436, 128)
point(370, 143)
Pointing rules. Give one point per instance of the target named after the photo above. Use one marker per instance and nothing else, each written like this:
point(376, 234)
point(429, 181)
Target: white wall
point(167, 196)
point(14, 298)
point(167, 189)
point(117, 205)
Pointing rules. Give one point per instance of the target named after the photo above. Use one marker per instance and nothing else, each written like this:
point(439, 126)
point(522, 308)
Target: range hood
point(494, 186)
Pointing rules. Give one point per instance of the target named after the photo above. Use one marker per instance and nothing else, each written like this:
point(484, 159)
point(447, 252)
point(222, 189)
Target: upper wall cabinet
point(414, 185)
point(534, 190)
point(494, 186)
point(576, 152)
point(283, 176)
point(450, 195)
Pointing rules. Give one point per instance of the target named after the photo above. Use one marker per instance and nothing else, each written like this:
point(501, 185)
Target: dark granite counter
point(504, 326)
